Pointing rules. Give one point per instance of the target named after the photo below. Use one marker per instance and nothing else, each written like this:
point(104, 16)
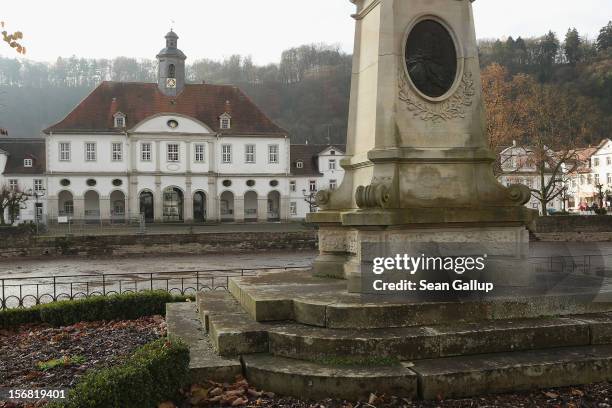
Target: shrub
point(126, 307)
point(601, 211)
point(153, 374)
point(17, 317)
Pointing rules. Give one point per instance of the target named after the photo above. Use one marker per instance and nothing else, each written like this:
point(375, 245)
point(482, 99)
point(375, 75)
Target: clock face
point(170, 83)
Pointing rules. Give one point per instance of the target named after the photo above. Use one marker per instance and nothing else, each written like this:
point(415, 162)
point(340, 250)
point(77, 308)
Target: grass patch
point(60, 362)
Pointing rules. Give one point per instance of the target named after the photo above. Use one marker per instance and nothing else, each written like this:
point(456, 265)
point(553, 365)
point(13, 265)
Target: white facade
point(242, 178)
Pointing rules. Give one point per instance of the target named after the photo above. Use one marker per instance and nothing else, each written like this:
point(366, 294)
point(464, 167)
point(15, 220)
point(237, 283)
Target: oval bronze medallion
point(431, 58)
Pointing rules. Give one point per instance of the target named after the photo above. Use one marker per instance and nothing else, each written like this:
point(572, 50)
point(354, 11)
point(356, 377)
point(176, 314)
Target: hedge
point(154, 373)
point(66, 312)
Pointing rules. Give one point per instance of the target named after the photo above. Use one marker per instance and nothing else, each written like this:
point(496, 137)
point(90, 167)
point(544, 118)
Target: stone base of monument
point(295, 334)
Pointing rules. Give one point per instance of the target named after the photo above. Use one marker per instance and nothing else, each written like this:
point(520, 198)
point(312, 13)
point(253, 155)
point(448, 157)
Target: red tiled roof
point(139, 101)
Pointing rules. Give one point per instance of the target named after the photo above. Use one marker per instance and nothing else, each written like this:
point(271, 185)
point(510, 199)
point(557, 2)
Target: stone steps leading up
point(234, 333)
point(205, 364)
point(466, 376)
point(451, 377)
point(299, 297)
point(308, 380)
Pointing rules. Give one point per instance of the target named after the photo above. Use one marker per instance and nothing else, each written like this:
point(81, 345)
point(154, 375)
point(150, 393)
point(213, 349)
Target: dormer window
point(171, 71)
point(299, 164)
point(119, 120)
point(27, 162)
point(225, 121)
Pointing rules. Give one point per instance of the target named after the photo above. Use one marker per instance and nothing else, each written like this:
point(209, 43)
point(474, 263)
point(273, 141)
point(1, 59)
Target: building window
point(13, 184)
point(38, 185)
point(119, 120)
point(333, 152)
point(293, 208)
point(117, 151)
point(91, 182)
point(225, 123)
point(292, 186)
point(27, 162)
point(332, 184)
point(299, 164)
point(596, 178)
point(596, 162)
point(145, 152)
point(273, 153)
point(227, 183)
point(171, 71)
point(589, 179)
point(332, 164)
point(64, 151)
point(69, 207)
point(199, 153)
point(274, 183)
point(173, 152)
point(90, 151)
point(313, 186)
point(117, 182)
point(226, 151)
point(608, 160)
point(65, 182)
point(250, 183)
point(249, 153)
point(609, 178)
point(582, 179)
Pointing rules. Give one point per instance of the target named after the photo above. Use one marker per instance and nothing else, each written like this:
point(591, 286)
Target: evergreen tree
point(604, 40)
point(573, 46)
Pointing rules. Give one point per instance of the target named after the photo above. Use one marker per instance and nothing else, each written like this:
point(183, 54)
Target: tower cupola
point(171, 71)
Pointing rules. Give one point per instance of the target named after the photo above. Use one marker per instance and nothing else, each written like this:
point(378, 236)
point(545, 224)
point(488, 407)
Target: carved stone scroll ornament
point(519, 194)
point(453, 107)
point(322, 197)
point(377, 195)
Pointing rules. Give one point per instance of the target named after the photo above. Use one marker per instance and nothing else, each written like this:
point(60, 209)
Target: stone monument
point(420, 167)
point(419, 177)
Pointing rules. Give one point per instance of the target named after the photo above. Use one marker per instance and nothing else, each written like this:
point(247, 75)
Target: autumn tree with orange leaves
point(548, 122)
point(13, 39)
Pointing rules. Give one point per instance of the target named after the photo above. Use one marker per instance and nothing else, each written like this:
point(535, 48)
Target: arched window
point(171, 71)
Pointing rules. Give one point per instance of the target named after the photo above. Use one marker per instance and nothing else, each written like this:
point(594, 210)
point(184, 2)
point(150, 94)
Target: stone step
point(309, 380)
point(322, 344)
point(204, 364)
point(300, 297)
point(231, 331)
point(466, 376)
point(450, 377)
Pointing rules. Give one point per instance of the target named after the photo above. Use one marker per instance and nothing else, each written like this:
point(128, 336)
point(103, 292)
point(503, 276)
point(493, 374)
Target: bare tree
point(11, 200)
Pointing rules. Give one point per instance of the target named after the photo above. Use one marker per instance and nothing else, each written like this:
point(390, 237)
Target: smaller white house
point(519, 167)
point(22, 166)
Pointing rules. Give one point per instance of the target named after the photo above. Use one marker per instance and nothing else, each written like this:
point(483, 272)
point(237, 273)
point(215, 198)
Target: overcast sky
point(263, 29)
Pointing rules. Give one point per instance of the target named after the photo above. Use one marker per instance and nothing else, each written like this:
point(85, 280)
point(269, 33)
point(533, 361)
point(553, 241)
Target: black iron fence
point(30, 291)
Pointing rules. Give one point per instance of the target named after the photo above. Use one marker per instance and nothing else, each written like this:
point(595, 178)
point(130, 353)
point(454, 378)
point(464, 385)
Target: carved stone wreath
point(453, 107)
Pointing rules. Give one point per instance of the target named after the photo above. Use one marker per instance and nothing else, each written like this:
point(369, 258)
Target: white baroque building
point(177, 152)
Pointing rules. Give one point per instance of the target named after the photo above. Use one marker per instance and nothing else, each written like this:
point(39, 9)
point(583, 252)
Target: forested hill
point(307, 92)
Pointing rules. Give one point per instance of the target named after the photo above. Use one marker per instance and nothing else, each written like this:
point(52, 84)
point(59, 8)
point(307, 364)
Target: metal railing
point(30, 291)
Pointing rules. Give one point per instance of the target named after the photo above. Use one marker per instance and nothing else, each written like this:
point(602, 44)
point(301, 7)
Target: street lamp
point(311, 199)
point(37, 194)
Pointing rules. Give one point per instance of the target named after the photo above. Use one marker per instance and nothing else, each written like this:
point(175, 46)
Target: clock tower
point(171, 73)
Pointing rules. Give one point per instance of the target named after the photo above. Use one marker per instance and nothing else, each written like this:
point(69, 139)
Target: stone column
point(212, 201)
point(262, 209)
point(284, 208)
point(133, 200)
point(188, 156)
point(158, 200)
point(157, 156)
point(238, 208)
point(105, 208)
point(188, 201)
point(52, 208)
point(78, 203)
